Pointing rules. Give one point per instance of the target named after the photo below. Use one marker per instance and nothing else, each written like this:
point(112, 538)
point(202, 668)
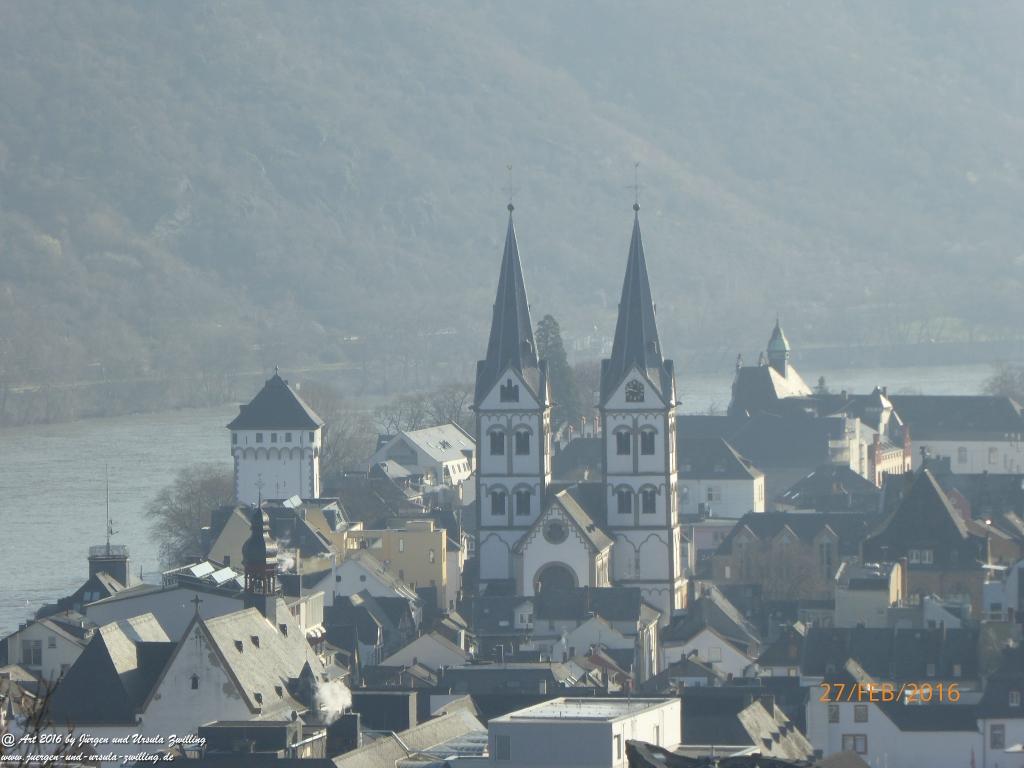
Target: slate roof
point(636, 344)
point(575, 459)
point(760, 388)
point(610, 603)
point(832, 488)
point(591, 532)
point(445, 442)
point(113, 676)
point(786, 649)
point(963, 417)
point(850, 528)
point(276, 406)
point(511, 343)
point(495, 615)
point(891, 654)
point(713, 611)
point(386, 752)
point(712, 457)
point(1009, 676)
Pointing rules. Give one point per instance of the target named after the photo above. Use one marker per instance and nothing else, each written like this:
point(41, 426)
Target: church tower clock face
point(555, 532)
point(634, 391)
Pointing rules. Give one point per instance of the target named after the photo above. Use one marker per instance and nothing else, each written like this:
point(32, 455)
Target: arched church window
point(522, 442)
point(647, 442)
point(648, 501)
point(522, 503)
point(508, 392)
point(498, 499)
point(634, 391)
point(497, 443)
point(624, 501)
point(623, 442)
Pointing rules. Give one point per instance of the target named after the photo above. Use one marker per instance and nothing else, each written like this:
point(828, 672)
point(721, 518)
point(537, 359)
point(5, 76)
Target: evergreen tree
point(563, 380)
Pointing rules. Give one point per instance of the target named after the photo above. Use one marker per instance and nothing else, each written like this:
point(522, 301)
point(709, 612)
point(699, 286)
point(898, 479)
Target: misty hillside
point(186, 187)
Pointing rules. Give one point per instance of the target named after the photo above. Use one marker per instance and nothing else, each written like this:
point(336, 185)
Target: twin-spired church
point(621, 531)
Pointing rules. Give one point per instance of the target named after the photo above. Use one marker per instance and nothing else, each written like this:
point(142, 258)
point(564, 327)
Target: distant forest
point(193, 192)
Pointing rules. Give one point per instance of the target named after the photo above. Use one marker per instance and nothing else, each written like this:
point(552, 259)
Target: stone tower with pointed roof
point(778, 350)
point(638, 402)
point(275, 442)
point(512, 402)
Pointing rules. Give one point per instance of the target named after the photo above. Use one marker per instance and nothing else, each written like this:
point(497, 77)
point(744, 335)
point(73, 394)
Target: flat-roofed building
point(588, 732)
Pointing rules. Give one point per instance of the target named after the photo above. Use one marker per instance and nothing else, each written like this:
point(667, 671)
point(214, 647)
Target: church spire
point(778, 349)
point(636, 343)
point(511, 343)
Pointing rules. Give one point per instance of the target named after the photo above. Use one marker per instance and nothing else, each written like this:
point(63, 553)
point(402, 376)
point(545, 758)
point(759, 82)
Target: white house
point(275, 443)
point(893, 733)
point(1001, 712)
point(441, 455)
point(865, 593)
point(716, 481)
point(589, 732)
point(431, 650)
point(48, 647)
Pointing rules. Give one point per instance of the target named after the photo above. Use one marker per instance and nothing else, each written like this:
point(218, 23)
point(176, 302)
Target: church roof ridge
point(276, 406)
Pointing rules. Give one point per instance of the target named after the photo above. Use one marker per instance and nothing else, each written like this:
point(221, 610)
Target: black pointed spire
point(636, 343)
point(511, 343)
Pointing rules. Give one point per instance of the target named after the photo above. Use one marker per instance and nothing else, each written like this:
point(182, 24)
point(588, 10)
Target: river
point(52, 490)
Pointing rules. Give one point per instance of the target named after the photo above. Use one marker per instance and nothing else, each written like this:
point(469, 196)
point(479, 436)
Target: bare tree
point(40, 741)
point(403, 413)
point(180, 510)
point(1006, 381)
point(450, 403)
point(794, 575)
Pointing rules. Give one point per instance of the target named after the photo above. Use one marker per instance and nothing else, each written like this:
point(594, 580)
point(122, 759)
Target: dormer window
point(634, 392)
point(508, 392)
point(258, 697)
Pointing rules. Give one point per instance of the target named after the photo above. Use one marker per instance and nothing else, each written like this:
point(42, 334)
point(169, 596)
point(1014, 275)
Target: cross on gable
point(196, 600)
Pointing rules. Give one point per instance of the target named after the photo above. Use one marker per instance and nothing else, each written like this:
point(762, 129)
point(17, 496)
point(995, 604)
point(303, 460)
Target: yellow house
point(416, 553)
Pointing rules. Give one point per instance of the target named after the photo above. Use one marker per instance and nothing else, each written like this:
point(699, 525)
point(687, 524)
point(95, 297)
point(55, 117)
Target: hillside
point(188, 189)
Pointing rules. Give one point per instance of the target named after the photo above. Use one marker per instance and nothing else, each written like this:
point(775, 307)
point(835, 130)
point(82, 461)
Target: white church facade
point(621, 531)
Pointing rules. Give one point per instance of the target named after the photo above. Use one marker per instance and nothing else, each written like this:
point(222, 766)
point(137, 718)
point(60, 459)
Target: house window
point(715, 653)
point(647, 442)
point(617, 740)
point(522, 443)
point(195, 682)
point(227, 559)
point(431, 557)
point(273, 437)
point(32, 653)
point(498, 503)
point(497, 443)
point(957, 669)
point(287, 437)
point(622, 441)
point(860, 713)
point(922, 556)
point(634, 392)
point(312, 437)
point(997, 737)
point(714, 493)
point(1014, 698)
point(508, 392)
point(522, 503)
point(401, 545)
point(855, 742)
point(993, 455)
point(259, 437)
point(929, 670)
point(234, 438)
point(961, 455)
point(624, 500)
point(833, 713)
point(647, 501)
point(51, 641)
point(502, 747)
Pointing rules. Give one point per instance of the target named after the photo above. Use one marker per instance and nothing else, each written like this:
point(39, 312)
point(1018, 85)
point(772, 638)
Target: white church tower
point(512, 402)
point(275, 442)
point(638, 400)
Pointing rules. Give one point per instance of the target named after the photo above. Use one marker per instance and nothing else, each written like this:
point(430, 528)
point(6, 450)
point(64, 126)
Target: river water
point(52, 490)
